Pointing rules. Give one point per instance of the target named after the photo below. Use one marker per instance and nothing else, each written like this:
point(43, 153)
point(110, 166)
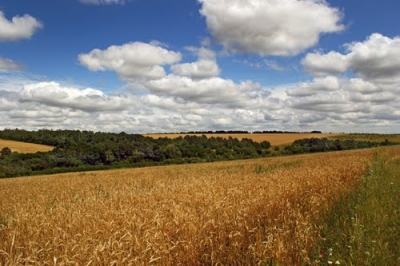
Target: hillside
point(274, 139)
point(24, 147)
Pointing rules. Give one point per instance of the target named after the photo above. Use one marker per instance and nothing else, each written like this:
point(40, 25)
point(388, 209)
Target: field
point(274, 139)
point(23, 147)
point(393, 138)
point(250, 212)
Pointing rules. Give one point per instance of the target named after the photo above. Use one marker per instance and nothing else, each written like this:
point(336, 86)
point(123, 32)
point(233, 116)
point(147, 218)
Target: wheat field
point(274, 139)
point(24, 147)
point(248, 212)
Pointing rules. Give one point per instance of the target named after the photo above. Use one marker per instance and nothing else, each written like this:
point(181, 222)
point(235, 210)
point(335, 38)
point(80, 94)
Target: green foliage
point(324, 144)
point(5, 152)
point(86, 150)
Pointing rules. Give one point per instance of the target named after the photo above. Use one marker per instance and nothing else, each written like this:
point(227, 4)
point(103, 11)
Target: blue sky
point(181, 65)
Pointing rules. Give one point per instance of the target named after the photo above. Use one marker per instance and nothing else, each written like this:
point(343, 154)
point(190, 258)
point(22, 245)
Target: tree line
point(76, 150)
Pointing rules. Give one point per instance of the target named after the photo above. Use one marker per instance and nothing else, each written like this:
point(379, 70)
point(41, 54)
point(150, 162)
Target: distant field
point(249, 212)
point(394, 138)
point(274, 139)
point(24, 147)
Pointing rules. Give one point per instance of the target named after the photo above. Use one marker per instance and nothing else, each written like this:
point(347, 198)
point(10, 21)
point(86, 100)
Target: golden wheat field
point(227, 213)
point(24, 147)
point(274, 139)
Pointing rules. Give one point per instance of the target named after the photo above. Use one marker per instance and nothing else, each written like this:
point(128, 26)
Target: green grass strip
point(363, 227)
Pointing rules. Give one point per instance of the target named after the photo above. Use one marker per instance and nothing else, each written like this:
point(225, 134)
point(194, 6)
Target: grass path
point(363, 228)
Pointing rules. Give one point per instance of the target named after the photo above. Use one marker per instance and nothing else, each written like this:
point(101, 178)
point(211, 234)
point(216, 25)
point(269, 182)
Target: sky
point(146, 66)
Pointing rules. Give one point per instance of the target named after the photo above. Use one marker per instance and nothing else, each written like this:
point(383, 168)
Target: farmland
point(274, 139)
point(23, 147)
point(246, 212)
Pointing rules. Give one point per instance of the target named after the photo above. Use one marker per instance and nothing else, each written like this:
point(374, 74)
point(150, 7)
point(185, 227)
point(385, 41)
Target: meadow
point(249, 212)
point(23, 147)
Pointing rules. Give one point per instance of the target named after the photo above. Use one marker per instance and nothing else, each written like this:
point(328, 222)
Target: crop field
point(393, 138)
point(249, 212)
point(274, 139)
point(23, 147)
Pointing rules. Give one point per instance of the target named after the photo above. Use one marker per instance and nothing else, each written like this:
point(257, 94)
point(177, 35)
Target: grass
point(24, 147)
point(226, 213)
point(274, 139)
point(363, 227)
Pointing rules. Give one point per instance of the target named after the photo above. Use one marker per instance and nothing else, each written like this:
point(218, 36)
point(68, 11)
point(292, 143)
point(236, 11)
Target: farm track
point(239, 212)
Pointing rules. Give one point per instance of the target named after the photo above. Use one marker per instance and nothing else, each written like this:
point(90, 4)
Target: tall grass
point(363, 227)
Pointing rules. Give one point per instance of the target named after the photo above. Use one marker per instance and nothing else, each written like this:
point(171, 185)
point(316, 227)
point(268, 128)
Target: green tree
point(5, 152)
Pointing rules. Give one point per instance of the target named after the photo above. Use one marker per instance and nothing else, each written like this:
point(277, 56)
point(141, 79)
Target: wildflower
point(337, 262)
point(330, 262)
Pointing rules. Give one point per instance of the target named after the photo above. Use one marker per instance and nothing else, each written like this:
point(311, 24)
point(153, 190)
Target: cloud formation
point(131, 61)
point(332, 63)
point(377, 58)
point(205, 67)
point(370, 96)
point(20, 27)
point(270, 27)
point(89, 100)
point(9, 65)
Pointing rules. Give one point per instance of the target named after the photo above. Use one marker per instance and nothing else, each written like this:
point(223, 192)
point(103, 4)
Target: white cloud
point(270, 27)
point(377, 58)
point(205, 67)
point(318, 64)
point(131, 61)
point(9, 65)
point(197, 70)
point(89, 100)
point(211, 91)
point(271, 64)
point(190, 98)
point(20, 27)
point(102, 2)
point(325, 84)
point(370, 98)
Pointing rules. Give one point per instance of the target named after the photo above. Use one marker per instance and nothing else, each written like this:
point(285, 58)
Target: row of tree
point(323, 144)
point(86, 150)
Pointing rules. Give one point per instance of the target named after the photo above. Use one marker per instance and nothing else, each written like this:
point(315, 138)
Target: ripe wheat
point(232, 213)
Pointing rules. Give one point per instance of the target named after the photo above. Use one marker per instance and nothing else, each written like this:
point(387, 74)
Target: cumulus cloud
point(102, 2)
point(9, 65)
point(332, 63)
point(131, 61)
point(270, 27)
point(376, 58)
point(370, 98)
point(211, 91)
point(192, 98)
point(20, 27)
point(205, 67)
point(326, 84)
point(89, 100)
